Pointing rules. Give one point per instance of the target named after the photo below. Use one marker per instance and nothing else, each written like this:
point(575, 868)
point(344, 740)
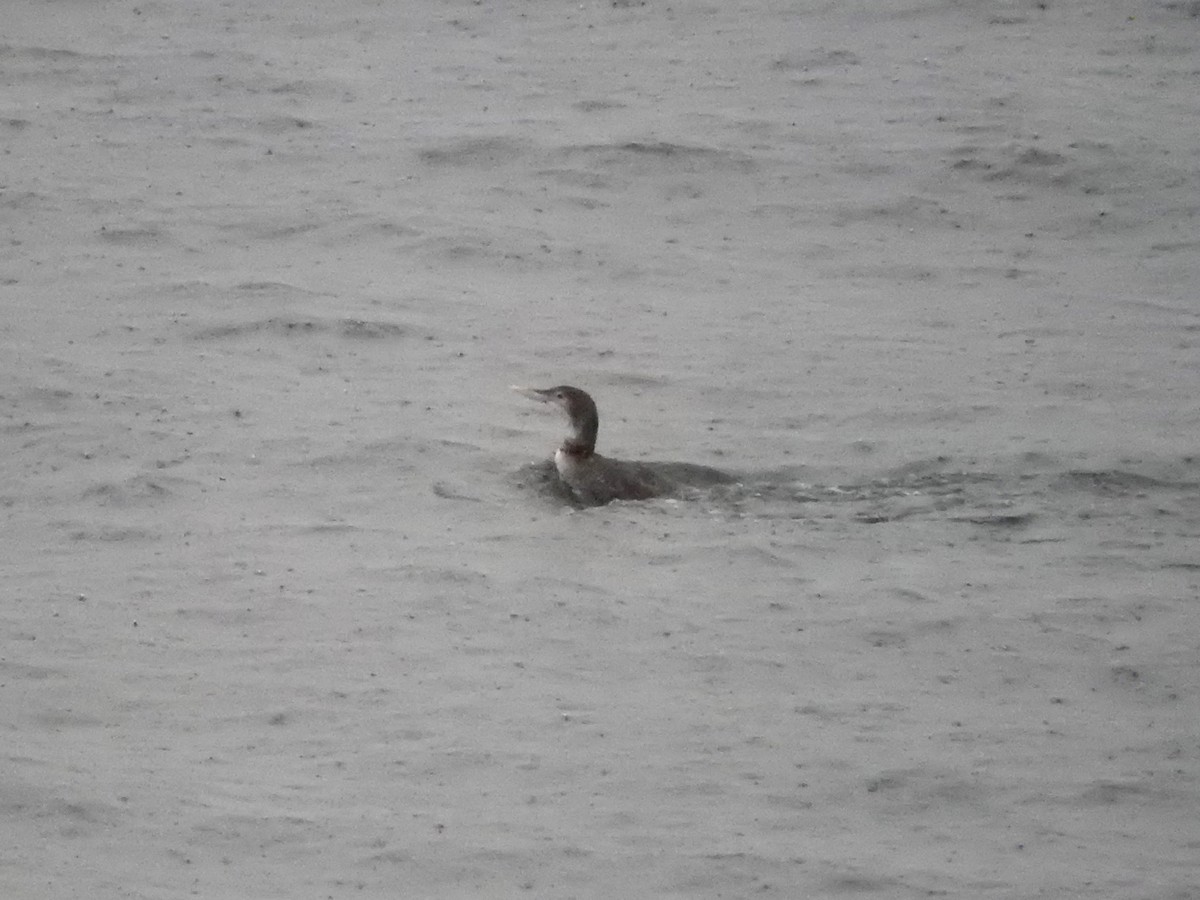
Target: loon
point(595, 480)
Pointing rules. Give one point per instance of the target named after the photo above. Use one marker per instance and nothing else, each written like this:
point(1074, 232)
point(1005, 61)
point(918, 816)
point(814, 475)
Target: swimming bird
point(593, 479)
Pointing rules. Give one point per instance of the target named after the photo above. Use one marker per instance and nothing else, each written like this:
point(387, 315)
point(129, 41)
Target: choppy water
point(1008, 498)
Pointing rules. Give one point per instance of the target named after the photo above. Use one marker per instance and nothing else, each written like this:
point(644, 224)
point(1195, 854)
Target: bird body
point(595, 480)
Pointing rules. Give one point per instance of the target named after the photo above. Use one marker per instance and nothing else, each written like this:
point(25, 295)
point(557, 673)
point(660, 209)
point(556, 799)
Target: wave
point(1010, 494)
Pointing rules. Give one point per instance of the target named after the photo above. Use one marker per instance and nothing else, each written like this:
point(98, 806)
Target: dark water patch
point(26, 200)
point(1175, 247)
point(284, 124)
point(593, 106)
point(51, 53)
point(1016, 162)
point(1111, 481)
point(66, 718)
point(920, 789)
point(298, 88)
point(8, 50)
point(1107, 793)
point(816, 59)
point(587, 203)
point(480, 152)
point(854, 883)
point(447, 491)
point(911, 210)
point(331, 528)
point(25, 671)
point(1189, 8)
point(266, 286)
point(140, 490)
point(277, 325)
point(40, 399)
point(586, 179)
point(1013, 520)
point(860, 169)
point(1127, 676)
point(277, 231)
point(658, 148)
point(384, 228)
point(441, 575)
point(908, 595)
point(886, 639)
point(791, 212)
point(287, 326)
point(67, 817)
point(136, 237)
point(1034, 156)
point(370, 329)
point(665, 157)
point(110, 535)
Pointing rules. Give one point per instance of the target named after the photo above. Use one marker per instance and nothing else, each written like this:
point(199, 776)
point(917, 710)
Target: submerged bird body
point(594, 479)
point(597, 480)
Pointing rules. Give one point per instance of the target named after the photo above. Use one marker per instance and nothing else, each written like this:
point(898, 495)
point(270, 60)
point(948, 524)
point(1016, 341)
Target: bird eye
point(558, 395)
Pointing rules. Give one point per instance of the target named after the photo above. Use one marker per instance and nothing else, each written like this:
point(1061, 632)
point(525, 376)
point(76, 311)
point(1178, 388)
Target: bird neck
point(581, 443)
point(577, 449)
